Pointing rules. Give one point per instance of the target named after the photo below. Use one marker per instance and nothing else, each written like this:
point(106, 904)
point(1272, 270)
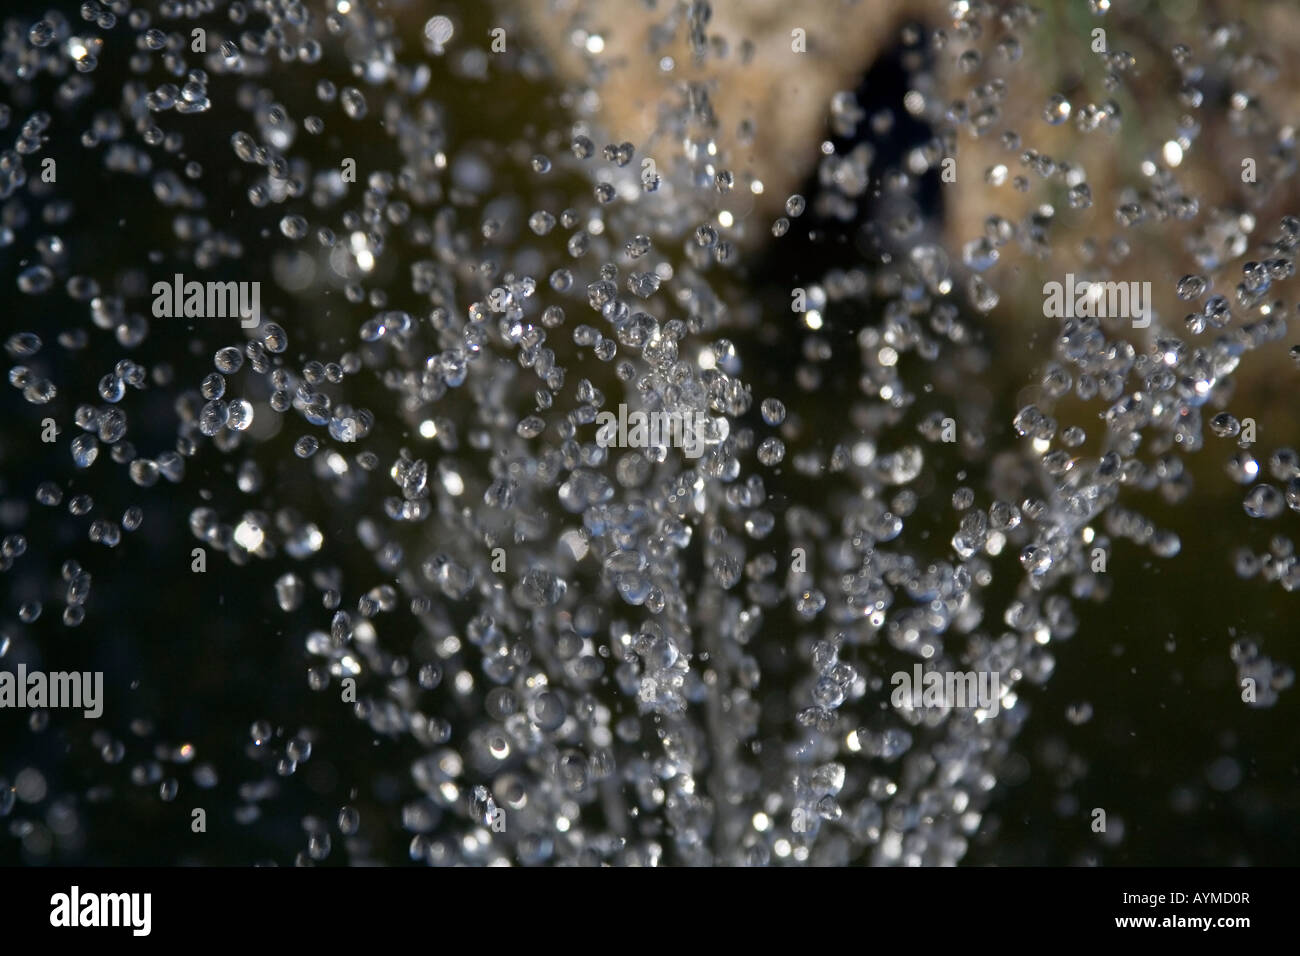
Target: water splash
point(577, 653)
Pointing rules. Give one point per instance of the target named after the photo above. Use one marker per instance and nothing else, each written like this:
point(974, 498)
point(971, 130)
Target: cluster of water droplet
point(625, 654)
